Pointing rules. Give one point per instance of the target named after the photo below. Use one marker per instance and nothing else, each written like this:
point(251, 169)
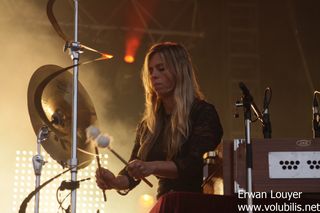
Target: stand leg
point(37, 197)
point(249, 162)
point(37, 162)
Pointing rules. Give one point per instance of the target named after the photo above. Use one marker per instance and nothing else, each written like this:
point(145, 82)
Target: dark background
point(286, 50)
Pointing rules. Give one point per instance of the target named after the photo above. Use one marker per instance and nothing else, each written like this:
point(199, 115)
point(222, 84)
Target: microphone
point(267, 98)
point(249, 97)
point(316, 116)
point(266, 114)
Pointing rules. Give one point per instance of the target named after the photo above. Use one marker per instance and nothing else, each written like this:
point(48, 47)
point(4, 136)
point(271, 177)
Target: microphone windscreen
point(92, 132)
point(103, 140)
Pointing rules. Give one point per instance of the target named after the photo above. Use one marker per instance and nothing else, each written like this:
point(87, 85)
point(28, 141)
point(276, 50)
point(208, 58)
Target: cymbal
point(50, 103)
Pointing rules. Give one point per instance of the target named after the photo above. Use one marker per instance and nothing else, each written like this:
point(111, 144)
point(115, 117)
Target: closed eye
point(160, 67)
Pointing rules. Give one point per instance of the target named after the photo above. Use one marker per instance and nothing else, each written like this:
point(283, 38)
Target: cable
point(61, 202)
point(24, 204)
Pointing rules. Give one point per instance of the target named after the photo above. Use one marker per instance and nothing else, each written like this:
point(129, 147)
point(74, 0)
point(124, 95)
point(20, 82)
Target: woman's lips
point(156, 85)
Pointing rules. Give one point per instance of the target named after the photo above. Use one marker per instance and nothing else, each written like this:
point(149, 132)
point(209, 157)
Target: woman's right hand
point(105, 179)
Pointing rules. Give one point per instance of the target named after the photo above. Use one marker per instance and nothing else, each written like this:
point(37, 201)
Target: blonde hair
point(186, 89)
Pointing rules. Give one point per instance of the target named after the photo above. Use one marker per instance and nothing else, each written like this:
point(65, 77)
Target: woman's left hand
point(139, 169)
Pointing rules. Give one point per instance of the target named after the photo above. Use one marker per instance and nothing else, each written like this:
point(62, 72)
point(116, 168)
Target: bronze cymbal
point(50, 103)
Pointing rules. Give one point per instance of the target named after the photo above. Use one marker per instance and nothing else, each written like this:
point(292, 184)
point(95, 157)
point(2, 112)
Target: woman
point(177, 128)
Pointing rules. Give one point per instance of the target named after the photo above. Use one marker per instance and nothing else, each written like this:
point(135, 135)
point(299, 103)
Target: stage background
point(282, 52)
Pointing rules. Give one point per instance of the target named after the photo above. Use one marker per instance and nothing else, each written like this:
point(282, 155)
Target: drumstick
point(99, 167)
point(126, 163)
point(103, 141)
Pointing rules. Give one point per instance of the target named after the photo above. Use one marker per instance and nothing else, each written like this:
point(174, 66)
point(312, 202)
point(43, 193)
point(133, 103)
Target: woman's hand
point(139, 169)
point(105, 179)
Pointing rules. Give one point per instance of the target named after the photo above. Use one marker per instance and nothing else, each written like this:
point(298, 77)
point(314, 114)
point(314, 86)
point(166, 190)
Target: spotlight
point(146, 201)
point(129, 59)
point(132, 45)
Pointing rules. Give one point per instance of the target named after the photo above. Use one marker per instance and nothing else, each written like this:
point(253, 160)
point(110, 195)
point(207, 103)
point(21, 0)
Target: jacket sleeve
point(206, 133)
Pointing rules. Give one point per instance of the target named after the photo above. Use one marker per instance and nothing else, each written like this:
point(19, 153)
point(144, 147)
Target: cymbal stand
point(38, 162)
point(75, 53)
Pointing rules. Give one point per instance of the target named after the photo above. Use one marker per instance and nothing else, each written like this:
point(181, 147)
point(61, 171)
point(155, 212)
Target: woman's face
point(161, 77)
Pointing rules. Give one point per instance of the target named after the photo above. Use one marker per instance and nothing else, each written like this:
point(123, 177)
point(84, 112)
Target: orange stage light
point(107, 56)
point(129, 59)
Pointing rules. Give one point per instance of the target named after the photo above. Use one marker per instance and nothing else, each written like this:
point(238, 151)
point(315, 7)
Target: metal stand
point(75, 52)
point(247, 120)
point(38, 162)
point(247, 103)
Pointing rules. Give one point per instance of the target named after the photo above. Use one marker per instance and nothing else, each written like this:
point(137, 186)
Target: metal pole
point(38, 162)
point(249, 162)
point(247, 101)
point(75, 56)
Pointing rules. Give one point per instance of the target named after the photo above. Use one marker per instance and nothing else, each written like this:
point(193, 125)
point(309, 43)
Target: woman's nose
point(154, 74)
